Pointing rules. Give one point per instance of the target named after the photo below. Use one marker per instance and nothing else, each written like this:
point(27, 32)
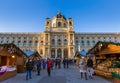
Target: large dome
point(59, 15)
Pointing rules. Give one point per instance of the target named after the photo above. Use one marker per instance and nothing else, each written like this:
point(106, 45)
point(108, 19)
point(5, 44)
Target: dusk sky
point(88, 15)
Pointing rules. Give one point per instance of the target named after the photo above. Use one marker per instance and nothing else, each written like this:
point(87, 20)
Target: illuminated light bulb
point(13, 56)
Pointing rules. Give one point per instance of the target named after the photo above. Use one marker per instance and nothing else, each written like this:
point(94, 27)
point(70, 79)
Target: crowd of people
point(33, 65)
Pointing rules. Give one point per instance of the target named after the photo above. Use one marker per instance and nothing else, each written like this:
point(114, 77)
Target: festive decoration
point(11, 50)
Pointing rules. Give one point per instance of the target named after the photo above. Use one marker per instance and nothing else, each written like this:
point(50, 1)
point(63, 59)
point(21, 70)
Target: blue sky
point(88, 15)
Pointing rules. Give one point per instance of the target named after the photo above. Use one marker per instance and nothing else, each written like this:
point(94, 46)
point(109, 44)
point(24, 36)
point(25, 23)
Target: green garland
point(115, 75)
point(116, 64)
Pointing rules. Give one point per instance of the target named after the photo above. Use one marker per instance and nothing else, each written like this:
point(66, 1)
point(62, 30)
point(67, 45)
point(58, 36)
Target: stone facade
point(58, 39)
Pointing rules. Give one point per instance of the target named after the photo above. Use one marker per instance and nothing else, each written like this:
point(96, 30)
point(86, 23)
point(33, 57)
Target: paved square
point(70, 75)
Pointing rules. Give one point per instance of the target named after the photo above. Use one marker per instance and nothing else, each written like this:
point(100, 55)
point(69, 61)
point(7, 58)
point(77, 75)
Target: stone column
point(55, 52)
point(69, 52)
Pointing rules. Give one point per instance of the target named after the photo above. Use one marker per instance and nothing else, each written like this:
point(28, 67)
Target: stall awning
point(111, 49)
point(102, 48)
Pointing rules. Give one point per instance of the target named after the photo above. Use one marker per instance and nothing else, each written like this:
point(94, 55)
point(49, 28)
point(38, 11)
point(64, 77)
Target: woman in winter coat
point(83, 68)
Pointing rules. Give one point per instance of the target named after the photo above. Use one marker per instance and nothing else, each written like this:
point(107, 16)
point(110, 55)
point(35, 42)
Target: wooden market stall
point(79, 55)
point(11, 57)
point(107, 55)
point(35, 55)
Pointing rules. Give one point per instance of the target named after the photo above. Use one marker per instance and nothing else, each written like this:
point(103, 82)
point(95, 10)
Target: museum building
point(58, 39)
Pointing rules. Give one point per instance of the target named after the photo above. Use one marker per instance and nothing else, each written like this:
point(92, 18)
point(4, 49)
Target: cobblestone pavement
point(70, 75)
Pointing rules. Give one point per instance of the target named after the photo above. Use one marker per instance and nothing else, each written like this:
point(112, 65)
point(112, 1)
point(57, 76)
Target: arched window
point(76, 43)
point(47, 23)
point(65, 42)
point(59, 24)
point(24, 43)
point(93, 42)
point(53, 42)
point(19, 43)
point(36, 43)
point(30, 43)
point(59, 42)
point(82, 43)
point(88, 43)
point(53, 53)
point(64, 24)
point(70, 23)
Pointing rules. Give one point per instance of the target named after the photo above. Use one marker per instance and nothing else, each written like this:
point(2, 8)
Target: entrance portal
point(65, 53)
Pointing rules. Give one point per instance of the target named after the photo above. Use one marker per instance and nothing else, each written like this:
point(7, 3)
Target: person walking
point(43, 64)
point(83, 68)
point(90, 68)
point(56, 63)
point(67, 62)
point(38, 66)
point(29, 67)
point(34, 65)
point(64, 63)
point(59, 63)
point(49, 64)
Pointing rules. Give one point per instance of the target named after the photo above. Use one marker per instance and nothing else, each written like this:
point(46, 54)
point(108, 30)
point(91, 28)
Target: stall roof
point(36, 54)
point(105, 48)
point(32, 53)
point(81, 53)
point(29, 53)
point(12, 48)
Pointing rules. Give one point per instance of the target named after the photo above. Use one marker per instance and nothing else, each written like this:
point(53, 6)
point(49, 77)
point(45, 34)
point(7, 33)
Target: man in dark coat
point(90, 67)
point(29, 67)
point(64, 63)
point(67, 62)
point(38, 66)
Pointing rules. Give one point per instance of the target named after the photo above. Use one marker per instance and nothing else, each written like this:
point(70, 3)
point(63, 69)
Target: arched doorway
point(53, 53)
point(59, 53)
point(66, 53)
